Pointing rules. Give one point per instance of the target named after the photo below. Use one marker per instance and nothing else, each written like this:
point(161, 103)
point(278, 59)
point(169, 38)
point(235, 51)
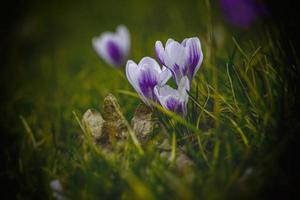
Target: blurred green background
point(51, 70)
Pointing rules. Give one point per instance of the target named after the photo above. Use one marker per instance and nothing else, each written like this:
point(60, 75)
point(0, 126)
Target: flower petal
point(147, 82)
point(174, 105)
point(148, 78)
point(150, 63)
point(115, 52)
point(159, 51)
point(164, 76)
point(176, 56)
point(195, 56)
point(163, 93)
point(183, 43)
point(144, 77)
point(56, 185)
point(99, 44)
point(132, 73)
point(169, 41)
point(113, 47)
point(183, 86)
point(166, 90)
point(170, 99)
point(124, 39)
point(107, 47)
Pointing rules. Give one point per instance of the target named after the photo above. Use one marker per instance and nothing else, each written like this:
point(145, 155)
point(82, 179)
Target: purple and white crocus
point(113, 47)
point(145, 76)
point(183, 59)
point(174, 100)
point(242, 13)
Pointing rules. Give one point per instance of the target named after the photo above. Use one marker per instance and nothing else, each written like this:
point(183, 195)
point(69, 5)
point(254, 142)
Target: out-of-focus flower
point(242, 13)
point(57, 189)
point(113, 47)
point(145, 76)
point(174, 100)
point(182, 59)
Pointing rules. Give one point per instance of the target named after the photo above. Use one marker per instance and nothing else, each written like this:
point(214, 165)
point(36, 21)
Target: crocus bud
point(113, 47)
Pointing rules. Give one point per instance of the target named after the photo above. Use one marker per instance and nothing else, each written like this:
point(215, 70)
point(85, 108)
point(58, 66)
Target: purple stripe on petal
point(176, 73)
point(174, 105)
point(179, 109)
point(193, 60)
point(114, 52)
point(159, 57)
point(147, 82)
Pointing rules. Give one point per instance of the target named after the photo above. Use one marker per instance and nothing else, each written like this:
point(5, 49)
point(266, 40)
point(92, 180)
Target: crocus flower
point(57, 189)
point(145, 76)
point(182, 59)
point(113, 47)
point(174, 100)
point(242, 13)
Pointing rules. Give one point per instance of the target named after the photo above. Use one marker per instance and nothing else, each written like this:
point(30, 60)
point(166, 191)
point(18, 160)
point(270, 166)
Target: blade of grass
point(231, 86)
point(239, 130)
point(173, 153)
point(206, 101)
point(206, 111)
point(131, 133)
point(28, 131)
point(201, 149)
point(240, 49)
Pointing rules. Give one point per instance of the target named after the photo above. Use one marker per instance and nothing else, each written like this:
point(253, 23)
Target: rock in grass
point(182, 161)
point(165, 145)
point(93, 123)
point(114, 125)
point(142, 122)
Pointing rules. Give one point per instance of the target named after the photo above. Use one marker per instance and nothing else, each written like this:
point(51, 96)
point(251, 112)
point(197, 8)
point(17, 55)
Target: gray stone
point(142, 122)
point(115, 125)
point(93, 123)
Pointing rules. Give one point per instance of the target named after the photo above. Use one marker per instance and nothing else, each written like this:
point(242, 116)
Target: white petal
point(158, 96)
point(160, 52)
point(124, 38)
point(183, 43)
point(167, 91)
point(169, 41)
point(150, 63)
point(163, 93)
point(56, 185)
point(132, 73)
point(164, 76)
point(176, 55)
point(100, 45)
point(196, 45)
point(184, 85)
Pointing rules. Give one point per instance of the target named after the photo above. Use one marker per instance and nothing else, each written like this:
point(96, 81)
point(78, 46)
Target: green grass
point(232, 116)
